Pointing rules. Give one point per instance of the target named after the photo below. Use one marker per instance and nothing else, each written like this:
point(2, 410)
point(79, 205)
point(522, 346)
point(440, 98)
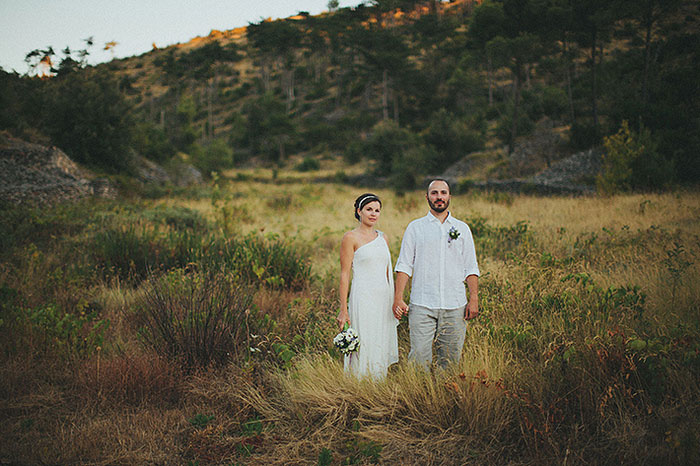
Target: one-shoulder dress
point(369, 306)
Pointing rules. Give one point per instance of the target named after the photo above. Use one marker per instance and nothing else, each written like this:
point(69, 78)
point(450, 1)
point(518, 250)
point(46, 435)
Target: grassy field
point(196, 329)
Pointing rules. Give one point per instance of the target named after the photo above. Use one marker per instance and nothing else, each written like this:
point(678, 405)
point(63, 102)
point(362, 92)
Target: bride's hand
point(343, 318)
point(399, 308)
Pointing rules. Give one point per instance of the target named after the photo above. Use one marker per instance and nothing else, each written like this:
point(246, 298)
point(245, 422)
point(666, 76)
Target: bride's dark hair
point(363, 200)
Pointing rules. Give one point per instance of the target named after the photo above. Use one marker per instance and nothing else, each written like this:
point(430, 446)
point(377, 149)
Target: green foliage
point(78, 332)
point(325, 458)
point(554, 102)
point(269, 129)
point(677, 264)
point(505, 126)
point(307, 165)
point(452, 138)
point(363, 452)
point(196, 318)
point(501, 241)
point(268, 261)
point(178, 218)
point(152, 142)
point(584, 135)
point(201, 420)
point(216, 155)
point(87, 117)
point(632, 162)
point(197, 63)
point(386, 143)
point(132, 253)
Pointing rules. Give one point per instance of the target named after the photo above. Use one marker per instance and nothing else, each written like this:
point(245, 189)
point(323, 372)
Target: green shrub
point(131, 254)
point(268, 261)
point(499, 241)
point(307, 165)
point(196, 318)
point(409, 166)
point(504, 127)
point(77, 332)
point(152, 142)
point(387, 143)
point(452, 138)
point(554, 102)
point(213, 156)
point(631, 161)
point(49, 328)
point(90, 119)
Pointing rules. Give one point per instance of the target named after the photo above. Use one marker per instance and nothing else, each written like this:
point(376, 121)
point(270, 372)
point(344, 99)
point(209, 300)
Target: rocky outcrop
point(178, 173)
point(45, 175)
point(535, 166)
point(574, 175)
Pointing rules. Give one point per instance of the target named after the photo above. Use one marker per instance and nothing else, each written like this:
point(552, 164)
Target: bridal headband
point(366, 199)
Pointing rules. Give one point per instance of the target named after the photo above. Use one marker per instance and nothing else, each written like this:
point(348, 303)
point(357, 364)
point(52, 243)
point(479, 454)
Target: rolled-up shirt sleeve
point(471, 267)
point(407, 256)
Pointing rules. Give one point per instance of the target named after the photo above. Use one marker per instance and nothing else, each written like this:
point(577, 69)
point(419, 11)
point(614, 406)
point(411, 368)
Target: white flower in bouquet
point(347, 341)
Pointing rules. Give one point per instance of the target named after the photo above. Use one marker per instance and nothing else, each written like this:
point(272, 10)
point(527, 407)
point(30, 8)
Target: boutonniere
point(453, 234)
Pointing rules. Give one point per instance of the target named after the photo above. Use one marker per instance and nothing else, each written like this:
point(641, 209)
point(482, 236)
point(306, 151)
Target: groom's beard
point(440, 209)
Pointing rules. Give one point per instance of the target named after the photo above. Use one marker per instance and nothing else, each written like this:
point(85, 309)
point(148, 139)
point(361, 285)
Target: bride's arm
point(347, 251)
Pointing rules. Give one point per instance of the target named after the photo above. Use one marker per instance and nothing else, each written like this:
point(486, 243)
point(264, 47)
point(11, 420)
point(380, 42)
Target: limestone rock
point(46, 175)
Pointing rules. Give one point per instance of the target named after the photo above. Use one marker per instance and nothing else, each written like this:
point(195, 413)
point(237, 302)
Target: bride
point(368, 308)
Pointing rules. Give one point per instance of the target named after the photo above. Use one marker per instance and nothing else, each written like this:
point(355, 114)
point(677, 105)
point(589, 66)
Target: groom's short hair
point(427, 189)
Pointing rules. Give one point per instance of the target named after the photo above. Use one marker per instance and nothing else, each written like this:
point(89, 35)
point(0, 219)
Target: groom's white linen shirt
point(438, 268)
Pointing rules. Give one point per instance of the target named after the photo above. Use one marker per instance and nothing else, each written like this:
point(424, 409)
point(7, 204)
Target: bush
point(89, 119)
point(130, 255)
point(267, 261)
point(410, 166)
point(307, 165)
point(387, 142)
point(196, 318)
point(49, 328)
point(554, 102)
point(631, 161)
point(504, 127)
point(453, 138)
point(214, 156)
point(499, 242)
point(152, 142)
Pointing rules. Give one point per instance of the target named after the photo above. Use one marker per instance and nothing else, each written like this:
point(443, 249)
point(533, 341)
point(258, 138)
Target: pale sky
point(26, 25)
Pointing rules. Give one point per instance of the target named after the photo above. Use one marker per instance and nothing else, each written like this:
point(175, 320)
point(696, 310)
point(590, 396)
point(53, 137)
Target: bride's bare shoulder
point(350, 238)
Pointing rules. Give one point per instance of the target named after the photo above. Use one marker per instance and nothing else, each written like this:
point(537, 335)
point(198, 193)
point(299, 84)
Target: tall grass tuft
point(131, 379)
point(196, 318)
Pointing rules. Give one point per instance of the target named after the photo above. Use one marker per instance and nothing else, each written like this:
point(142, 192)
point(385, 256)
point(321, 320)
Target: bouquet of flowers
point(347, 341)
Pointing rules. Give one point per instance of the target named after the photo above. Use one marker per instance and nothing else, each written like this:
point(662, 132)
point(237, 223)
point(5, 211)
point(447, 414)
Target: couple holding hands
point(437, 254)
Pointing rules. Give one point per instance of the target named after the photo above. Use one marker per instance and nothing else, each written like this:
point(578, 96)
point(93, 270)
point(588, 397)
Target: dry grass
point(548, 374)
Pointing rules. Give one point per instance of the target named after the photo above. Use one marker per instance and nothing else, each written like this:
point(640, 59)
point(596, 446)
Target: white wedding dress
point(369, 306)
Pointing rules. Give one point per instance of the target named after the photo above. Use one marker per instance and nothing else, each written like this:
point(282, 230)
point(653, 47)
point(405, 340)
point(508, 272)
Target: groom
point(438, 252)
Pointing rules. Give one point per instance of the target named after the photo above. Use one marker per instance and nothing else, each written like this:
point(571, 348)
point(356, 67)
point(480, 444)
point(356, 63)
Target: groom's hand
point(400, 308)
point(472, 310)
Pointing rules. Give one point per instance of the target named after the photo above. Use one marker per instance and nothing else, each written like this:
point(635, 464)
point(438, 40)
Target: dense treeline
point(411, 85)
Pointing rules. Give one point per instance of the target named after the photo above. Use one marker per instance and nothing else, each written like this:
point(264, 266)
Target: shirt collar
point(433, 218)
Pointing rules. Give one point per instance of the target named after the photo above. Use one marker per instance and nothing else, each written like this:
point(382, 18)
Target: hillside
point(409, 88)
